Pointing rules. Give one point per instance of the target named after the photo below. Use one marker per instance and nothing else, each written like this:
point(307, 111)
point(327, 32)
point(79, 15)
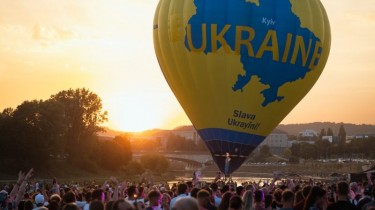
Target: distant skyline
point(48, 46)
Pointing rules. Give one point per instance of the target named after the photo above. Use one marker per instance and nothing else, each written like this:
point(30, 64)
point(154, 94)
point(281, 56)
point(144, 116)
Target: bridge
point(193, 159)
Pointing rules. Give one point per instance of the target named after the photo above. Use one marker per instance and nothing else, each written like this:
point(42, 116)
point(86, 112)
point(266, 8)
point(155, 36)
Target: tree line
point(324, 145)
point(351, 129)
point(336, 146)
point(64, 126)
point(356, 148)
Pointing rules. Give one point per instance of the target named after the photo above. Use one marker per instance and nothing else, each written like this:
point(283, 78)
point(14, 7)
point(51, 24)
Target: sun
point(135, 111)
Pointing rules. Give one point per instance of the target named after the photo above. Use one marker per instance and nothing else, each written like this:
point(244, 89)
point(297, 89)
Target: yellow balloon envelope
point(238, 67)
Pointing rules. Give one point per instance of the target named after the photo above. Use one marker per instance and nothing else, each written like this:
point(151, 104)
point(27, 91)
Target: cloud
point(48, 35)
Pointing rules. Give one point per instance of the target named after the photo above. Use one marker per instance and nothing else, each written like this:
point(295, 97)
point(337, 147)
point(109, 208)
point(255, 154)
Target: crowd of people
point(219, 195)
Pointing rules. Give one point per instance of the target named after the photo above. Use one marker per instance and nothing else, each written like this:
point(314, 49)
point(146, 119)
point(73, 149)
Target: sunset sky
point(107, 46)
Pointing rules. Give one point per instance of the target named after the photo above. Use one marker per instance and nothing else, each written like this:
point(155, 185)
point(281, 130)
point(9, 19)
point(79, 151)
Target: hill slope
point(351, 129)
point(292, 129)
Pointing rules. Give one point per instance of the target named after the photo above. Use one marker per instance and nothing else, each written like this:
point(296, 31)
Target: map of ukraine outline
point(278, 47)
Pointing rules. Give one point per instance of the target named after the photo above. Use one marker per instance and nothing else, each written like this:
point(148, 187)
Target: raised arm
point(16, 187)
point(22, 188)
point(115, 192)
point(104, 186)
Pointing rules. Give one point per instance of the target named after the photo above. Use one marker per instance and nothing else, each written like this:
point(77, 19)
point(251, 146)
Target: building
point(277, 141)
point(308, 133)
point(187, 132)
point(364, 135)
point(301, 142)
point(328, 138)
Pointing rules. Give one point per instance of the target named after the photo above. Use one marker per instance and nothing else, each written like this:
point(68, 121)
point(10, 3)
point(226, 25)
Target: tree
point(323, 148)
point(342, 134)
point(134, 167)
point(125, 146)
point(83, 111)
point(287, 153)
point(146, 144)
point(293, 160)
point(176, 142)
point(54, 125)
point(322, 133)
point(330, 132)
point(296, 150)
point(341, 141)
point(155, 162)
point(265, 151)
point(6, 113)
point(35, 130)
point(113, 154)
point(7, 130)
point(308, 151)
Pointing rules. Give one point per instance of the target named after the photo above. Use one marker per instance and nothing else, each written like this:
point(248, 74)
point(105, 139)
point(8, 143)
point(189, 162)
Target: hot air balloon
point(238, 67)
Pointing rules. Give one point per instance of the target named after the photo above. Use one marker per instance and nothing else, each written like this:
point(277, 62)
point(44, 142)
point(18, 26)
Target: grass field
point(67, 173)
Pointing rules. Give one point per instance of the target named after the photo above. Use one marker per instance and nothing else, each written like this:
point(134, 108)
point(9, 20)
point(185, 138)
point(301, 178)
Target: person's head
point(235, 203)
point(190, 185)
point(28, 205)
point(132, 191)
point(214, 187)
point(154, 198)
point(194, 192)
point(88, 197)
point(69, 197)
point(305, 191)
point(39, 200)
point(298, 197)
point(250, 187)
point(267, 200)
point(277, 195)
point(165, 199)
point(258, 196)
point(53, 205)
point(240, 190)
point(97, 195)
point(353, 186)
point(247, 199)
point(141, 190)
point(109, 205)
point(122, 205)
point(342, 188)
point(186, 204)
point(182, 188)
point(96, 205)
point(316, 197)
point(70, 206)
point(21, 205)
point(55, 197)
point(3, 199)
point(79, 197)
point(225, 189)
point(203, 198)
point(287, 199)
point(224, 204)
